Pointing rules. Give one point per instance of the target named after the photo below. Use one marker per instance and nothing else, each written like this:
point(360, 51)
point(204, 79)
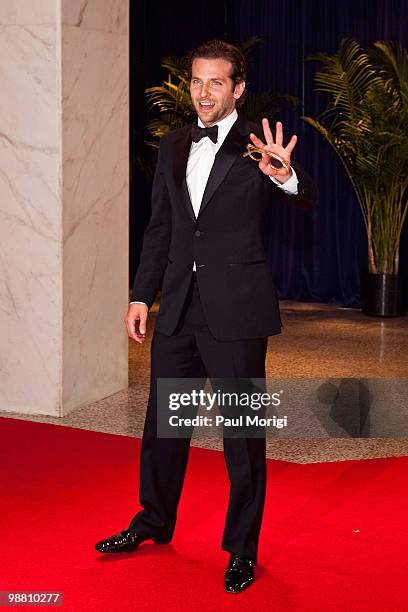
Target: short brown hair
point(219, 49)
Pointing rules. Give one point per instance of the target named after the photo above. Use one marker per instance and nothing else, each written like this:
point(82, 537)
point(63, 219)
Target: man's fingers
point(267, 132)
point(138, 335)
point(279, 134)
point(139, 326)
point(135, 321)
point(131, 328)
point(277, 147)
point(142, 324)
point(257, 142)
point(291, 144)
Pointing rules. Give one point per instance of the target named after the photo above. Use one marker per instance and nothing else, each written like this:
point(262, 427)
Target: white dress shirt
point(200, 161)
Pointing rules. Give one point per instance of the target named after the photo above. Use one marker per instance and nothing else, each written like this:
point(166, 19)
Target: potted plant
point(366, 123)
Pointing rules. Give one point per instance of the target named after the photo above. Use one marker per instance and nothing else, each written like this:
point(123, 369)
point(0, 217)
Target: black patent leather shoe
point(124, 541)
point(239, 574)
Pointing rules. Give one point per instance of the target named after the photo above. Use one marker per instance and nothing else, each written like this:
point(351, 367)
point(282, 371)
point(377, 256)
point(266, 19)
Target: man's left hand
point(275, 146)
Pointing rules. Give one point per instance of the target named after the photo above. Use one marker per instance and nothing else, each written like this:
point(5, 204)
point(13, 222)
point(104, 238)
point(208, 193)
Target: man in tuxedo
point(204, 248)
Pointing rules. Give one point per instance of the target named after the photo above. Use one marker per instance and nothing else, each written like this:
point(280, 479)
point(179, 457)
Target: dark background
point(314, 256)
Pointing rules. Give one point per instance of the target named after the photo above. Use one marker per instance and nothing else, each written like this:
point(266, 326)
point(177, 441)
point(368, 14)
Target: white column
point(63, 203)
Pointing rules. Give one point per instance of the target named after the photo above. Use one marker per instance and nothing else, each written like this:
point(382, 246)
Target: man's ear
point(239, 89)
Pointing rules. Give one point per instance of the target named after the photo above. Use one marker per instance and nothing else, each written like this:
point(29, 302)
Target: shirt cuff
point(138, 303)
point(291, 185)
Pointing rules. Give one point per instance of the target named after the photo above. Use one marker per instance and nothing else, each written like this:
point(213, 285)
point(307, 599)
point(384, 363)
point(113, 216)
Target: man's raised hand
point(275, 146)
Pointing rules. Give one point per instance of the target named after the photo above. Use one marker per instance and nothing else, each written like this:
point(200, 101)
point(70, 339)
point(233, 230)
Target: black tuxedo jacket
point(226, 240)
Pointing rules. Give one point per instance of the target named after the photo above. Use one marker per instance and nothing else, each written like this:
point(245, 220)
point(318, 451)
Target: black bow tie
point(197, 133)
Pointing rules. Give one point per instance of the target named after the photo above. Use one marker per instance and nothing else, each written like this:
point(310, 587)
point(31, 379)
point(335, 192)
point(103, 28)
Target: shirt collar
point(224, 126)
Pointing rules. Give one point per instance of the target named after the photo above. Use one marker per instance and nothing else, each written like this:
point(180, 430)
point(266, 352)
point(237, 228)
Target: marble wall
point(63, 203)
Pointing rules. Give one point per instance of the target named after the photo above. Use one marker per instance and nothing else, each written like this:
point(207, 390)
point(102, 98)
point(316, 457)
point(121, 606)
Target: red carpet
point(334, 536)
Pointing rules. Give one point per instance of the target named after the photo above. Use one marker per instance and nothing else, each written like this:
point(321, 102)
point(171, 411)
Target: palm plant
point(171, 99)
point(366, 123)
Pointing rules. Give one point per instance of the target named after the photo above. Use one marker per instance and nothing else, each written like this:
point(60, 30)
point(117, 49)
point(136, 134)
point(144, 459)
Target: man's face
point(213, 92)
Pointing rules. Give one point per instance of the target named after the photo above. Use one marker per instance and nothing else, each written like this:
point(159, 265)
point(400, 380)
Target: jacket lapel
point(233, 146)
point(181, 153)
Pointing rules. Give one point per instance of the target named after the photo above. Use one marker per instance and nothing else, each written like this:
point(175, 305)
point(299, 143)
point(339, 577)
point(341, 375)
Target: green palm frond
point(169, 97)
point(176, 66)
point(366, 122)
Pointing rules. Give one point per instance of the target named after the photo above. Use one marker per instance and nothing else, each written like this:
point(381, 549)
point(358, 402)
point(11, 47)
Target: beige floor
point(319, 341)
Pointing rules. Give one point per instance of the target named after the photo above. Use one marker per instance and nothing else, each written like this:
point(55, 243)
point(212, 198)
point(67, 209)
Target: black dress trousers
point(192, 352)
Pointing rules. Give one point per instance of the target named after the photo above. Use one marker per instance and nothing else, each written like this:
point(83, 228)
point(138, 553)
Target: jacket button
point(197, 233)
